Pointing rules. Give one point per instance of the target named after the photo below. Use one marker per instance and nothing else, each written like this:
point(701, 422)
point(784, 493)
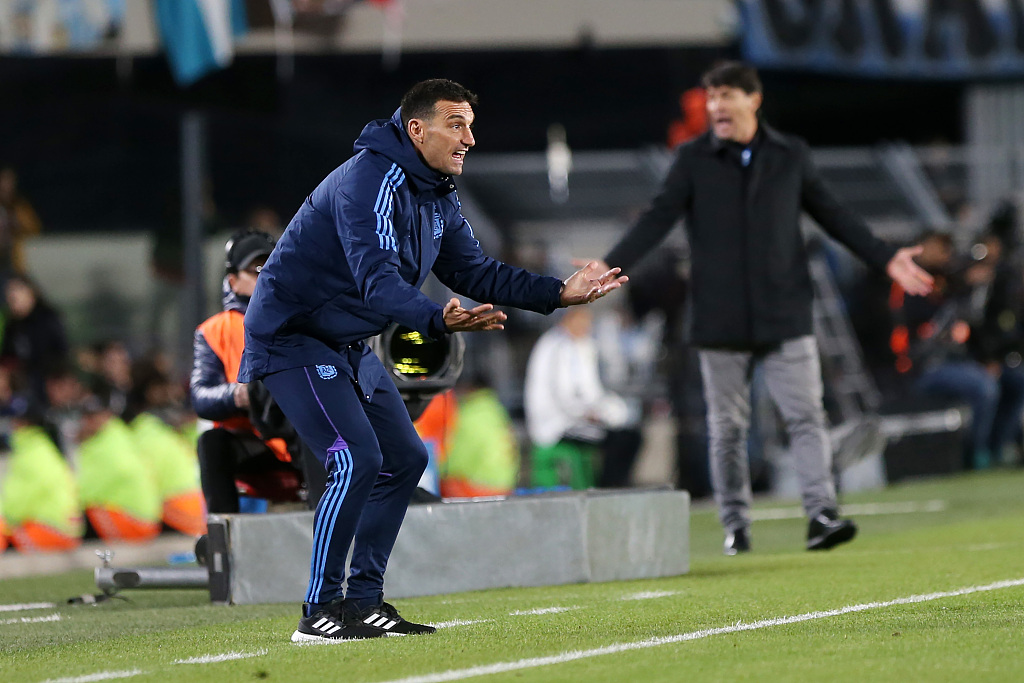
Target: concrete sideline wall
point(452, 547)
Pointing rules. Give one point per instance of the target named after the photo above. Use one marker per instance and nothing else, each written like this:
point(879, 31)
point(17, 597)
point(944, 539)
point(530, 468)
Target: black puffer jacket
point(750, 282)
point(213, 394)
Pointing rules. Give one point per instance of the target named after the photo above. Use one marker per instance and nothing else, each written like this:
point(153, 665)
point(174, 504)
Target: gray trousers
point(792, 376)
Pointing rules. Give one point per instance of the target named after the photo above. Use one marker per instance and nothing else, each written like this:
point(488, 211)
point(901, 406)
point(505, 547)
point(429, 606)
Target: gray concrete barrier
point(450, 547)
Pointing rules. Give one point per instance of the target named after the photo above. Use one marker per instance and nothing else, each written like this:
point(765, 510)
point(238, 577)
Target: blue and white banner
point(199, 35)
point(43, 27)
point(950, 39)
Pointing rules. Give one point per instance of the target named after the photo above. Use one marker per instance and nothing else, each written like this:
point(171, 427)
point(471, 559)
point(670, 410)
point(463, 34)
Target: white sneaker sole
point(300, 637)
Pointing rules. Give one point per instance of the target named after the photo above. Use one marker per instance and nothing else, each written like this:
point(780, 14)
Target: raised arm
point(652, 226)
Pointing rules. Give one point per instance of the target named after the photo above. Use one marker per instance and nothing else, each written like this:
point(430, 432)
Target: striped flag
point(199, 35)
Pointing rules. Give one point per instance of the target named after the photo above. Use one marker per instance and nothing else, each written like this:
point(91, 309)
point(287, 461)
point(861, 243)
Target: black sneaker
point(826, 531)
point(737, 541)
point(387, 618)
point(332, 622)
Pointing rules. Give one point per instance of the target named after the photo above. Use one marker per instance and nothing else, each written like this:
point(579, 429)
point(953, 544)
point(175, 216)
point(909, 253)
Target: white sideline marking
point(27, 605)
point(542, 610)
point(101, 676)
point(981, 547)
point(335, 641)
point(31, 620)
point(504, 667)
point(861, 509)
point(459, 622)
point(648, 595)
point(226, 657)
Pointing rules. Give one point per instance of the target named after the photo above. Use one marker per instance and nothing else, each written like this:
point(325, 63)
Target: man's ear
point(232, 281)
point(758, 101)
point(415, 130)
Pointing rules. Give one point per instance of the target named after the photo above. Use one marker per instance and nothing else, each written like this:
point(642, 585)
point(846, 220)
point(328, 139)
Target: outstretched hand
point(590, 283)
point(911, 277)
point(479, 319)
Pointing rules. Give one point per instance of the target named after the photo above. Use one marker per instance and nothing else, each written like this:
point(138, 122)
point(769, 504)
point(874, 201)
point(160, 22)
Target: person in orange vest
point(236, 449)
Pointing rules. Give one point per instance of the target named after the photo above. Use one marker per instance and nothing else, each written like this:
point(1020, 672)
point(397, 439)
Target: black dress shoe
point(826, 531)
point(737, 541)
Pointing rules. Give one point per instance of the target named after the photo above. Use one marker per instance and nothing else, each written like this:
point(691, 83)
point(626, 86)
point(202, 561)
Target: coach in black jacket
point(741, 188)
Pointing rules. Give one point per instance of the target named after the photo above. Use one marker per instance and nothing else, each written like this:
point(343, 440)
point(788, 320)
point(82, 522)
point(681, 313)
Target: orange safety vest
point(225, 333)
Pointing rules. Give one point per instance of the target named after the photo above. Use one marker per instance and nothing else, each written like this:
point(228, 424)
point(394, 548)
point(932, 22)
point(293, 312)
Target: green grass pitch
point(974, 540)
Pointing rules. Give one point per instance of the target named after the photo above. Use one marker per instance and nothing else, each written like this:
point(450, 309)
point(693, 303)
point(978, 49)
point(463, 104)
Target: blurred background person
point(263, 218)
point(694, 122)
point(18, 222)
point(33, 335)
point(64, 393)
point(434, 426)
point(482, 455)
point(118, 487)
point(114, 370)
point(931, 340)
point(171, 458)
point(234, 448)
point(741, 189)
point(568, 410)
point(39, 491)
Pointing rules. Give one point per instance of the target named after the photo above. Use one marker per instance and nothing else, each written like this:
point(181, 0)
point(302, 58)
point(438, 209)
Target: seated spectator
point(482, 453)
point(118, 489)
point(930, 341)
point(171, 459)
point(33, 335)
point(997, 340)
point(114, 365)
point(64, 393)
point(40, 495)
point(568, 411)
point(235, 449)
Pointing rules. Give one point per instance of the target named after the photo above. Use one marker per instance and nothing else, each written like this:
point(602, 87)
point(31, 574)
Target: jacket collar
point(709, 143)
point(388, 138)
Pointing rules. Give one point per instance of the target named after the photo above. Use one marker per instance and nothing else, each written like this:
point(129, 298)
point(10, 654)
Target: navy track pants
point(374, 459)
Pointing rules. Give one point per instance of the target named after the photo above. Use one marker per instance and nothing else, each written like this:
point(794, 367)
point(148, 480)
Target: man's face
point(444, 138)
point(243, 283)
point(732, 112)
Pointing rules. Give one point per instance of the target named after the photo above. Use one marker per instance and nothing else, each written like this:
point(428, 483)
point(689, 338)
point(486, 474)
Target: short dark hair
point(419, 102)
point(732, 75)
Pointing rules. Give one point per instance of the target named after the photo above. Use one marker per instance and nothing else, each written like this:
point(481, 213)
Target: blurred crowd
point(103, 440)
point(963, 343)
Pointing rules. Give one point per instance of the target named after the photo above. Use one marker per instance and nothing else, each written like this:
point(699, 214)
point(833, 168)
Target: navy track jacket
point(353, 258)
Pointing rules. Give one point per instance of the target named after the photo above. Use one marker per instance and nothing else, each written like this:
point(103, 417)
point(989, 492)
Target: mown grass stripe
point(534, 662)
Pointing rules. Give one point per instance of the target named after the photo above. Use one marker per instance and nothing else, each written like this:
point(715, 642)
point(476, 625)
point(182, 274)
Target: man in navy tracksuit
point(351, 263)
